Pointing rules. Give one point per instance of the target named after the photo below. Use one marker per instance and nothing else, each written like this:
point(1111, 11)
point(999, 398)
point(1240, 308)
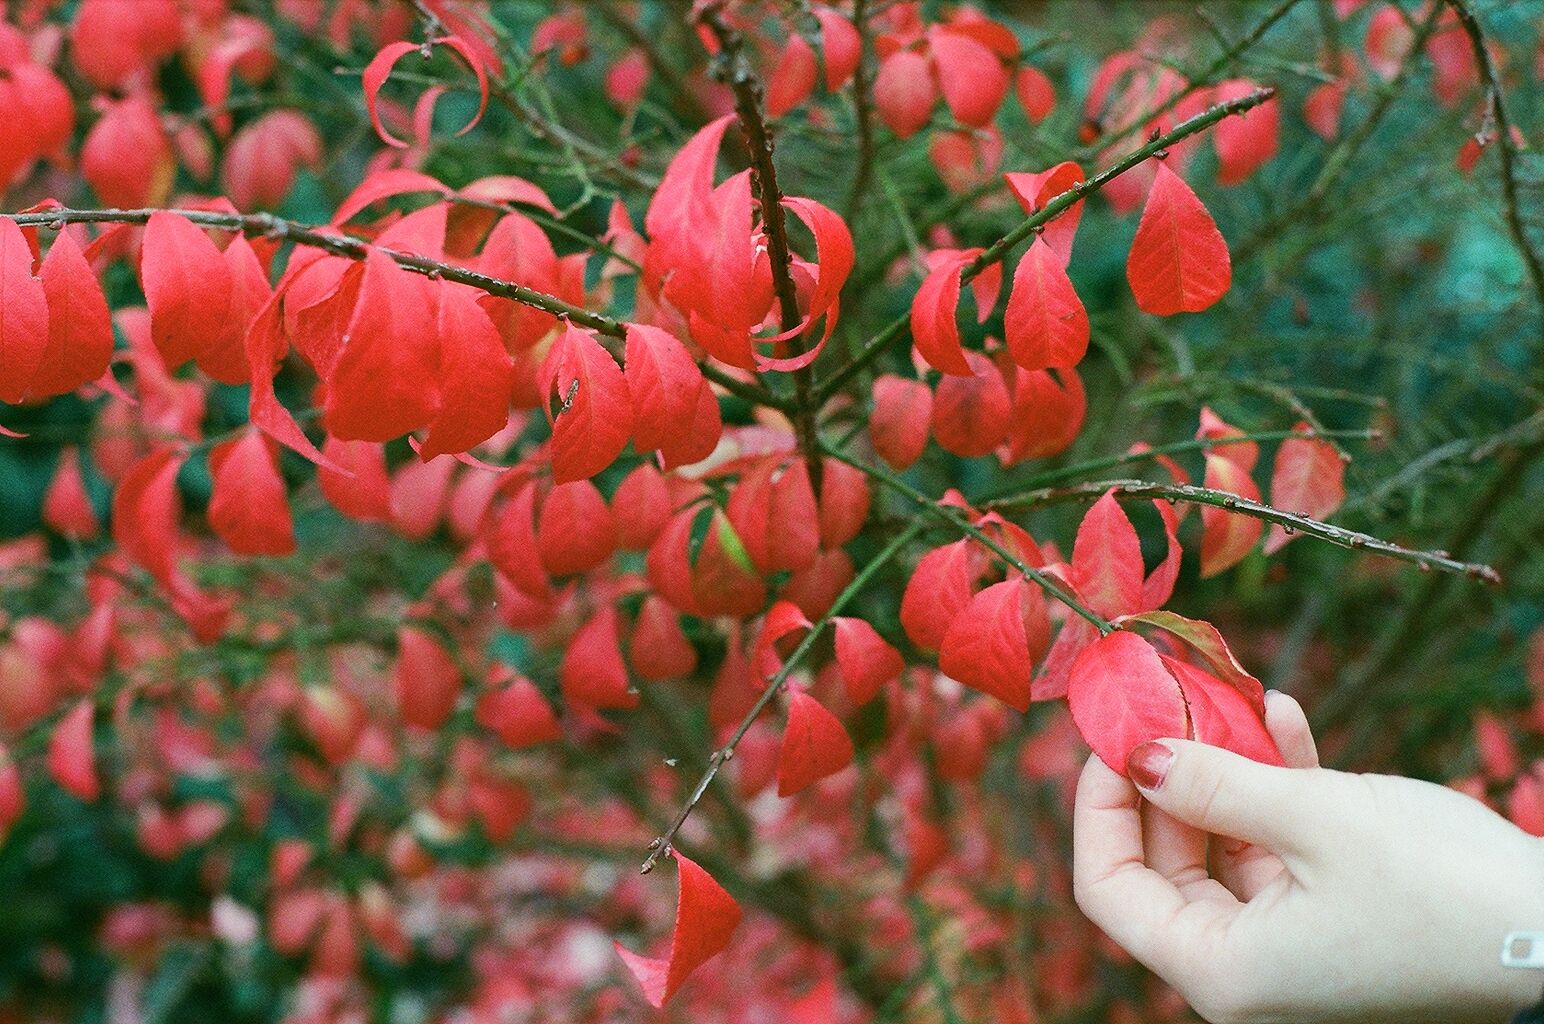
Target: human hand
point(1362, 898)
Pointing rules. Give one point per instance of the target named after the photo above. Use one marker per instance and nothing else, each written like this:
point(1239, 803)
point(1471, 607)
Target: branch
point(1000, 248)
point(1339, 159)
point(1492, 81)
point(950, 516)
point(660, 847)
point(748, 91)
point(1052, 476)
point(269, 226)
point(1133, 489)
point(863, 111)
point(1205, 78)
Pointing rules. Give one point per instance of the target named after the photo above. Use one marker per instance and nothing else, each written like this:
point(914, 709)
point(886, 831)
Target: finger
point(1244, 868)
point(1288, 726)
point(1177, 851)
point(1284, 809)
point(1134, 905)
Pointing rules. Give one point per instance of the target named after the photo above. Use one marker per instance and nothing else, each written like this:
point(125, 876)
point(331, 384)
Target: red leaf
point(518, 714)
point(80, 330)
point(425, 679)
point(933, 309)
point(266, 347)
point(420, 493)
point(574, 531)
point(1121, 696)
point(783, 627)
point(1178, 261)
point(476, 376)
point(772, 510)
point(24, 323)
point(1036, 93)
point(66, 506)
point(1046, 325)
point(971, 414)
point(706, 917)
point(1203, 640)
point(500, 805)
point(592, 673)
point(1244, 454)
point(1226, 537)
point(226, 359)
point(187, 286)
point(667, 389)
point(510, 536)
point(386, 381)
point(248, 506)
point(659, 648)
point(71, 757)
point(1107, 560)
point(939, 589)
point(898, 428)
point(792, 78)
point(1244, 141)
point(518, 250)
point(1321, 110)
point(834, 259)
point(1308, 479)
point(681, 203)
point(844, 502)
point(146, 512)
point(594, 415)
point(1159, 585)
point(866, 660)
point(379, 69)
point(904, 92)
point(841, 47)
point(971, 76)
point(1073, 638)
point(814, 745)
point(359, 488)
point(1222, 716)
point(1047, 413)
point(640, 508)
point(992, 645)
point(383, 184)
point(1034, 191)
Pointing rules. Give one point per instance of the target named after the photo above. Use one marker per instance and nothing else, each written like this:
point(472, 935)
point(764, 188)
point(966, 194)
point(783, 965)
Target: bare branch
point(267, 225)
point(1142, 489)
point(660, 847)
point(1000, 248)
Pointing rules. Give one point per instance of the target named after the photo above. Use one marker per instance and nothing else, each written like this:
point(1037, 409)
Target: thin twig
point(862, 104)
point(748, 94)
point(950, 516)
point(1498, 110)
point(1000, 248)
point(1071, 472)
point(1139, 489)
point(1339, 159)
point(267, 225)
point(660, 847)
point(1205, 78)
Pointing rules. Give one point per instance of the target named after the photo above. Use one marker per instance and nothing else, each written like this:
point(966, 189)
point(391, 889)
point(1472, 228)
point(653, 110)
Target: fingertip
point(1288, 725)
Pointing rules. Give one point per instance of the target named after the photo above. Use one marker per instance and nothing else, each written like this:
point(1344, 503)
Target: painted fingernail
point(1149, 763)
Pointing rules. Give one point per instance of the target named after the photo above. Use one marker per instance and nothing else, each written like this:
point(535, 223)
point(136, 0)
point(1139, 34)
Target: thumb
point(1283, 809)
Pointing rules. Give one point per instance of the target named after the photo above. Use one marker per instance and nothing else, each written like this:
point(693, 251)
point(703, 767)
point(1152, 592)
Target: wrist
point(1521, 950)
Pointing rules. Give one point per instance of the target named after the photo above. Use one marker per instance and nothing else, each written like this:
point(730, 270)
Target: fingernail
point(1149, 763)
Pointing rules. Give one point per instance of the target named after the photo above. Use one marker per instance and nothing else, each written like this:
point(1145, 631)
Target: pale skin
point(1365, 898)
